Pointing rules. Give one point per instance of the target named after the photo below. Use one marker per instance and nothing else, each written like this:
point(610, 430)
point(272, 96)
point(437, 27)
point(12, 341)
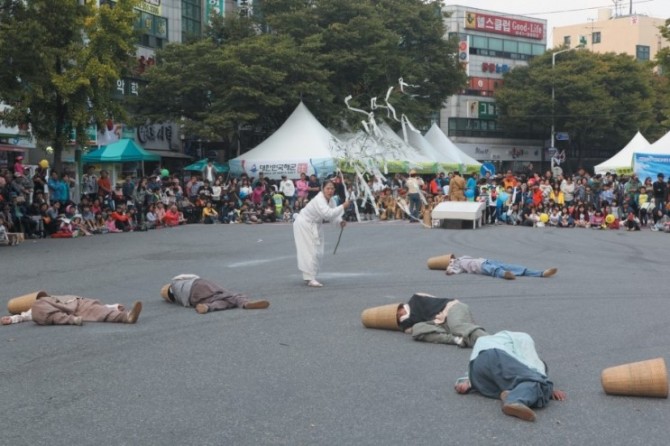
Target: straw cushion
point(440, 262)
point(384, 317)
point(644, 378)
point(23, 303)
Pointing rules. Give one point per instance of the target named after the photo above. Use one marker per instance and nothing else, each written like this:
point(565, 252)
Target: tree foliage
point(601, 100)
point(59, 63)
point(318, 51)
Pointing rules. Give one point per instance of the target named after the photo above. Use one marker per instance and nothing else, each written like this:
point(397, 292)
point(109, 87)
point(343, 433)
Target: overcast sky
point(568, 12)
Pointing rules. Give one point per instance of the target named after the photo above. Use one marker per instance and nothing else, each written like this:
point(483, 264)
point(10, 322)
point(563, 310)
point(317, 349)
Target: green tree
point(663, 55)
point(368, 45)
point(662, 87)
point(318, 51)
point(59, 63)
point(601, 100)
point(215, 89)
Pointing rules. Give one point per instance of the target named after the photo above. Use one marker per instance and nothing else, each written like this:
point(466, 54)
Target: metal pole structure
point(553, 95)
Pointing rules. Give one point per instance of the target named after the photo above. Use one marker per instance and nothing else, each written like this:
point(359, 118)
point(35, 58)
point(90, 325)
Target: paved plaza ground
point(305, 371)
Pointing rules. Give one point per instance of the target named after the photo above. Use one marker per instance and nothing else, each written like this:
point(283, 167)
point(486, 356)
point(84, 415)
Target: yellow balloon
point(610, 219)
point(544, 218)
point(44, 164)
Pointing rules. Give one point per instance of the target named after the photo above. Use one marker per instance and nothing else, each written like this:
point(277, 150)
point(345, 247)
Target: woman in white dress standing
point(308, 231)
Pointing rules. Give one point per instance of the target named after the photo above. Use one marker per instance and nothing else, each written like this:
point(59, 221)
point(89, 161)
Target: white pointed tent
point(622, 161)
point(660, 147)
point(395, 148)
point(436, 137)
point(300, 145)
point(445, 161)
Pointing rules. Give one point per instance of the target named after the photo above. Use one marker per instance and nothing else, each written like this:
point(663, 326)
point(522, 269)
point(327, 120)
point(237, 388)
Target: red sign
point(504, 25)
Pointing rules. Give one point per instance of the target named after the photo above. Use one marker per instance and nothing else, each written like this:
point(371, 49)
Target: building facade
point(635, 35)
point(490, 44)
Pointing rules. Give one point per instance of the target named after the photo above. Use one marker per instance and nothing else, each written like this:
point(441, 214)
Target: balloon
point(44, 164)
point(610, 219)
point(502, 197)
point(165, 173)
point(544, 218)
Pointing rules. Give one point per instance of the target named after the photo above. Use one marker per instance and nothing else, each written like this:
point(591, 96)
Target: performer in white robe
point(308, 231)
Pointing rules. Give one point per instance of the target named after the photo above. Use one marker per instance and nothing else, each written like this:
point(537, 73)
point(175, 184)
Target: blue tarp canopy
point(199, 165)
point(122, 151)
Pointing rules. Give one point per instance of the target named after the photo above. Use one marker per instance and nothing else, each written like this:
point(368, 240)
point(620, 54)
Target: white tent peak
point(623, 159)
point(662, 146)
point(300, 145)
point(436, 137)
point(418, 141)
point(301, 136)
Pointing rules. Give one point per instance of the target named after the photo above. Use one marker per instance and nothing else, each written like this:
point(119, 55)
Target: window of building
point(566, 41)
point(538, 50)
point(525, 48)
point(479, 42)
point(191, 24)
point(511, 46)
point(595, 37)
point(642, 52)
point(495, 44)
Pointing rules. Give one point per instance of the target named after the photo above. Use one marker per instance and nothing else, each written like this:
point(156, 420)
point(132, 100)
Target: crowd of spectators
point(580, 200)
point(39, 207)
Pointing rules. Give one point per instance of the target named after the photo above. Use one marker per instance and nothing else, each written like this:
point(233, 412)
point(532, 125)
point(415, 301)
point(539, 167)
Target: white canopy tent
point(622, 161)
point(436, 137)
point(444, 160)
point(660, 147)
point(396, 148)
point(300, 145)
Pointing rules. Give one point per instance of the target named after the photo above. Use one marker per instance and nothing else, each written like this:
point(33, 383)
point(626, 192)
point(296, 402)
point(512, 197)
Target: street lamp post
point(553, 93)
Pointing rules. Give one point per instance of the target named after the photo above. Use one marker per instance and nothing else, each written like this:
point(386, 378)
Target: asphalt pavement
point(305, 371)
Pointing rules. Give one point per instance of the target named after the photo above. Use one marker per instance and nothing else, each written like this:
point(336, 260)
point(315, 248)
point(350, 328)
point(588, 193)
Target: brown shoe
point(549, 272)
point(201, 308)
point(256, 305)
point(518, 410)
point(509, 275)
point(134, 313)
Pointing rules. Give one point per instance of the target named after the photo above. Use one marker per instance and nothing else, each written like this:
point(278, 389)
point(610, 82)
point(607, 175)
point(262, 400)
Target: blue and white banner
point(651, 164)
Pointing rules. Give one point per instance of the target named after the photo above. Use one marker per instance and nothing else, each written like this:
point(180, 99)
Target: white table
point(460, 210)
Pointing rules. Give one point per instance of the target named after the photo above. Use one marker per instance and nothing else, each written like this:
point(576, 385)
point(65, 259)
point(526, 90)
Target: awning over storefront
point(122, 151)
point(11, 148)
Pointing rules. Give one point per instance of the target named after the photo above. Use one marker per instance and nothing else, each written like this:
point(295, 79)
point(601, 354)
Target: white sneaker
point(314, 283)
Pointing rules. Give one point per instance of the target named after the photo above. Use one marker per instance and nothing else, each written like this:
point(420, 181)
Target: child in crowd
point(99, 226)
point(661, 222)
point(554, 217)
point(566, 219)
point(151, 219)
point(79, 227)
point(632, 223)
point(110, 224)
point(597, 220)
point(644, 205)
point(209, 214)
point(160, 213)
point(88, 219)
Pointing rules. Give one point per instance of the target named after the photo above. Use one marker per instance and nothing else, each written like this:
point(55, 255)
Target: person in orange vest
point(510, 180)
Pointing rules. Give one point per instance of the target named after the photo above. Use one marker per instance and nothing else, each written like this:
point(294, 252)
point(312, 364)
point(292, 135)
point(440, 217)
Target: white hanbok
point(308, 233)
